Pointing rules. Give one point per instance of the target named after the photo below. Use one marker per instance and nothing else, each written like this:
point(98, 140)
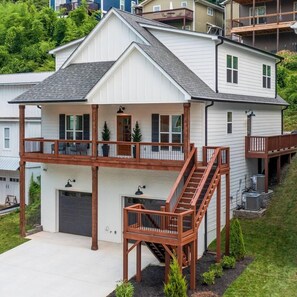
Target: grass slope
point(9, 232)
point(272, 240)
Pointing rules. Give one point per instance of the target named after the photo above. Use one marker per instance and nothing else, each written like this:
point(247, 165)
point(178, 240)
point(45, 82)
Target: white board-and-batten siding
point(107, 44)
point(62, 55)
point(135, 80)
point(198, 53)
point(250, 70)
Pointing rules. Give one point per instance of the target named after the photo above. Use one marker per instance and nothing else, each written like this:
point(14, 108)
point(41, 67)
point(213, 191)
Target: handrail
point(187, 167)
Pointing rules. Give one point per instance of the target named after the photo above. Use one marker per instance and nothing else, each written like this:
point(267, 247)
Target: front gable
point(110, 38)
point(134, 78)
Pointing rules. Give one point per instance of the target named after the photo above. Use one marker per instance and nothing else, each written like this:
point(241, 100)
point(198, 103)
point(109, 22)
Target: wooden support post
point(94, 130)
point(138, 262)
point(231, 17)
point(254, 22)
point(22, 199)
point(180, 257)
point(94, 208)
point(186, 131)
point(227, 241)
point(193, 265)
point(167, 266)
point(266, 174)
point(277, 39)
point(125, 260)
point(218, 258)
point(22, 130)
point(278, 169)
point(289, 158)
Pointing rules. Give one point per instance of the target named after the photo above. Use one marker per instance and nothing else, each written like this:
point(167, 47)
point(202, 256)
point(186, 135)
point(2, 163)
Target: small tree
point(237, 248)
point(177, 285)
point(105, 132)
point(136, 135)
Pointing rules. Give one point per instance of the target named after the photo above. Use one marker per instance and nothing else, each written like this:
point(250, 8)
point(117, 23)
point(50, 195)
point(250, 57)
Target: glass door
point(124, 134)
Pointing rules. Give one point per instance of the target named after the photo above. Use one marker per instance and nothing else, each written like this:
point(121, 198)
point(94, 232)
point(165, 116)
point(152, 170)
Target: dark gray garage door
point(75, 213)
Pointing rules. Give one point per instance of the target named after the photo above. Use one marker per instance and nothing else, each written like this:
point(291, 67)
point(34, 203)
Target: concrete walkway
point(62, 265)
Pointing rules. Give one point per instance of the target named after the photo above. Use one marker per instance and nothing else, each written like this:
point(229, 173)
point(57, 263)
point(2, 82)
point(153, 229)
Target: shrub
point(228, 262)
point(217, 269)
point(34, 190)
point(177, 285)
point(237, 249)
point(208, 277)
point(124, 289)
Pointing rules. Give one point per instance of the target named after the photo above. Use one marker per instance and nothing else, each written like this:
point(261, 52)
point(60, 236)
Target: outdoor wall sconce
point(69, 185)
point(121, 109)
point(250, 113)
point(139, 192)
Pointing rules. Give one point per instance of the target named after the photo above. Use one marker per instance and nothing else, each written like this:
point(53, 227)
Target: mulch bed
point(153, 278)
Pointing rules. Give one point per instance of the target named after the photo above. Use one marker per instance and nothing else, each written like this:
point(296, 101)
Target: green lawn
point(9, 232)
point(272, 241)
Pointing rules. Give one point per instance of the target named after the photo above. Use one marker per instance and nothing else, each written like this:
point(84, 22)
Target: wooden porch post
point(94, 130)
point(125, 260)
point(22, 171)
point(218, 258)
point(266, 174)
point(278, 169)
point(186, 131)
point(167, 266)
point(180, 257)
point(193, 265)
point(138, 262)
point(227, 241)
point(254, 23)
point(94, 208)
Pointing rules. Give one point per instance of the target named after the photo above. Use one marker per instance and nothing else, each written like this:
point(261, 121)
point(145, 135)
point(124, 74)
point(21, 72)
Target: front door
point(124, 134)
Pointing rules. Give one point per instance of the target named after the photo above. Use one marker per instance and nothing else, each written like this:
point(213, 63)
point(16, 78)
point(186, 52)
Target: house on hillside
point(264, 24)
point(209, 116)
point(11, 86)
point(196, 15)
point(93, 5)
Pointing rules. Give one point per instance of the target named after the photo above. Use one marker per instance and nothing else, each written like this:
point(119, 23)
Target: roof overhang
point(65, 46)
point(212, 5)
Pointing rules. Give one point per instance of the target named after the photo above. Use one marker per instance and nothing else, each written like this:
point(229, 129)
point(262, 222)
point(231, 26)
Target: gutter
point(205, 143)
point(282, 118)
point(217, 64)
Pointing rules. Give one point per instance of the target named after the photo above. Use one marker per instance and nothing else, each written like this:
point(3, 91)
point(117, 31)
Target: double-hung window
point(156, 8)
point(122, 4)
point(232, 69)
point(74, 127)
point(266, 72)
point(209, 11)
point(184, 4)
point(170, 130)
point(133, 4)
point(229, 122)
point(6, 138)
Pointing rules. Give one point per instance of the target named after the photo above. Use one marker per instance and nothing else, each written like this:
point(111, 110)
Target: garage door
point(75, 213)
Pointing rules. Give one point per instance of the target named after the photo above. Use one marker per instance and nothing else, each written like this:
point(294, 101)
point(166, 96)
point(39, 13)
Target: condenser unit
point(253, 201)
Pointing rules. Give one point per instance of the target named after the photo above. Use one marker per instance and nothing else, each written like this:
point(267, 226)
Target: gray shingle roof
point(71, 84)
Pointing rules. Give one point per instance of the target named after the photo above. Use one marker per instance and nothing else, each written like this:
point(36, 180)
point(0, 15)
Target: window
point(156, 8)
point(170, 130)
point(209, 11)
point(184, 4)
point(74, 127)
point(295, 10)
point(229, 122)
point(133, 4)
point(232, 69)
point(14, 180)
point(122, 4)
point(6, 138)
point(259, 11)
point(266, 76)
point(2, 178)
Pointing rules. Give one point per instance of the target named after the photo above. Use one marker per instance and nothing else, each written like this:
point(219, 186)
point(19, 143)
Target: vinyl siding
point(196, 52)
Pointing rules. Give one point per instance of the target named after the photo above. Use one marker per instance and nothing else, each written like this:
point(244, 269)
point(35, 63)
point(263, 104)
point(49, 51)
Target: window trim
point(229, 123)
point(182, 4)
point(233, 70)
point(74, 131)
point(157, 8)
point(209, 11)
point(266, 79)
point(5, 138)
point(122, 4)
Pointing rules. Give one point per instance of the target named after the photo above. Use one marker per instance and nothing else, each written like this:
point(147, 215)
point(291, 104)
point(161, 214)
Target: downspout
point(276, 76)
point(282, 118)
point(217, 63)
point(205, 143)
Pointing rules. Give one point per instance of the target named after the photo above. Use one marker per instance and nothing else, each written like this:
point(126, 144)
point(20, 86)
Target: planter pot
point(105, 150)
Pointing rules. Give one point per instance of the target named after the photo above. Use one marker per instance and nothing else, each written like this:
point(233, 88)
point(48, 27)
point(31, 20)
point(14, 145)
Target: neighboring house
point(264, 24)
point(196, 15)
point(191, 94)
point(104, 5)
point(11, 86)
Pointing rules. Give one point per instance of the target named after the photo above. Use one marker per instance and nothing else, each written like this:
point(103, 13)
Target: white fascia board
point(178, 31)
point(212, 5)
point(94, 31)
point(122, 58)
point(62, 47)
point(145, 2)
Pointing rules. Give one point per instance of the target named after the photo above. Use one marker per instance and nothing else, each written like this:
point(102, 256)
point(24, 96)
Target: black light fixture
point(121, 109)
point(69, 185)
point(250, 113)
point(139, 192)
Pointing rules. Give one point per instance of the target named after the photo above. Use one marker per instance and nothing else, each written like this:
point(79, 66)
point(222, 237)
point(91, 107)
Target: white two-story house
point(208, 112)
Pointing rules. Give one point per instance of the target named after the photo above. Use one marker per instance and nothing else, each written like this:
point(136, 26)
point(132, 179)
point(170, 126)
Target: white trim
point(122, 58)
point(94, 31)
point(62, 47)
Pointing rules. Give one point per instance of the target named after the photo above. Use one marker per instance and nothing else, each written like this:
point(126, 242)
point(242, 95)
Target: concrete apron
point(58, 264)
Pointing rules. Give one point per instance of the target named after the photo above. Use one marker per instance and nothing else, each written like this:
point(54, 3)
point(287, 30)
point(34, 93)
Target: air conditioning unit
point(258, 183)
point(253, 201)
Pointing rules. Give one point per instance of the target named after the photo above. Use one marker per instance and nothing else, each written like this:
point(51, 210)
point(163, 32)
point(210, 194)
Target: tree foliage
point(237, 248)
point(28, 30)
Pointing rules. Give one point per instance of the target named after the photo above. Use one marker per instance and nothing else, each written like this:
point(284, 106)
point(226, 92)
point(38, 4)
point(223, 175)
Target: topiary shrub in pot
point(105, 137)
point(136, 137)
point(237, 248)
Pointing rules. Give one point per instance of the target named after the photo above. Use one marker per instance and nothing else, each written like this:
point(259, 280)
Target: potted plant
point(105, 137)
point(136, 137)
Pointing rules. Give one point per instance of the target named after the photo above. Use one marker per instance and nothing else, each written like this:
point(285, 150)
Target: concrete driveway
point(62, 265)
